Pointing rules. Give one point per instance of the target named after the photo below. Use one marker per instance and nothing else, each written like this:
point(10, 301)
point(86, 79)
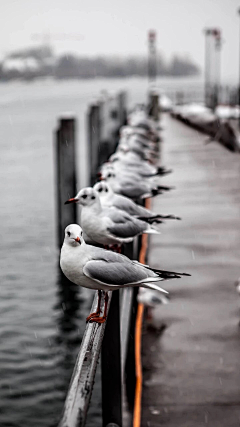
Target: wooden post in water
point(122, 101)
point(66, 174)
point(154, 106)
point(111, 367)
point(94, 140)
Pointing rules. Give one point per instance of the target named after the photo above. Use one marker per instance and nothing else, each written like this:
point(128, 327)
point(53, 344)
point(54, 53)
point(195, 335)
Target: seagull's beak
point(73, 200)
point(78, 240)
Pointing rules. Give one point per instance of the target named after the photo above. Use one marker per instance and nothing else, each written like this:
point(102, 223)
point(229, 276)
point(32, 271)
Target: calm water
point(41, 327)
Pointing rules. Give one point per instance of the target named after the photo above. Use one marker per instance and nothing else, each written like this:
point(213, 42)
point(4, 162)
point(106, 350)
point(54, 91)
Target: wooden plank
point(80, 389)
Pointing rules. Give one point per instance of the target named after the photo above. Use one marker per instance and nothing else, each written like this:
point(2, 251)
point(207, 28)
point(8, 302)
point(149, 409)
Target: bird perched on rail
point(108, 198)
point(132, 185)
point(129, 159)
point(107, 226)
point(103, 270)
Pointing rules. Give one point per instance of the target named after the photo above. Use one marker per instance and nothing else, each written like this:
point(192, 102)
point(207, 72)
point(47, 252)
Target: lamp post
point(207, 33)
point(152, 57)
point(218, 44)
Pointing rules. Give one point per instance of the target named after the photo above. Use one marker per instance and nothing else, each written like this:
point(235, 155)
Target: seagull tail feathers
point(157, 218)
point(150, 285)
point(166, 275)
point(151, 231)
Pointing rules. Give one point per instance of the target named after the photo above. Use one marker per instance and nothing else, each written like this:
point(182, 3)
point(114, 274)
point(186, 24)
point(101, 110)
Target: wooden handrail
point(81, 385)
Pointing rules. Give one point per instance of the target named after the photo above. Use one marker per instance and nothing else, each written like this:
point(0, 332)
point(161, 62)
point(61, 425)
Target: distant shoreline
point(126, 77)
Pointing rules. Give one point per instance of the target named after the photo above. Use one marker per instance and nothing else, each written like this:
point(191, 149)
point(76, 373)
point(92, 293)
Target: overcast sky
point(120, 27)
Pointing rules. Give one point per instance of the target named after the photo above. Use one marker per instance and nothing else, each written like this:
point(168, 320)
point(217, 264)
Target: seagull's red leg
point(98, 311)
point(102, 319)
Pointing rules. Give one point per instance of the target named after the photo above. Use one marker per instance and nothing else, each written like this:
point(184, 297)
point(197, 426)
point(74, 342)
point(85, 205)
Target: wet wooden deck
point(192, 370)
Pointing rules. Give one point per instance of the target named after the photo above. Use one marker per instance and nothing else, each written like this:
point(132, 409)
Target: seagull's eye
point(93, 197)
point(81, 233)
point(84, 196)
point(109, 175)
point(68, 233)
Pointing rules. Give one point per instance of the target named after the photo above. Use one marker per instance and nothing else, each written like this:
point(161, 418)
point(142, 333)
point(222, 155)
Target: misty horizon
point(94, 29)
point(38, 62)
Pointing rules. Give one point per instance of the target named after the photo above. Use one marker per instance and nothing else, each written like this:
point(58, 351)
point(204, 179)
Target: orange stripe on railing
point(138, 339)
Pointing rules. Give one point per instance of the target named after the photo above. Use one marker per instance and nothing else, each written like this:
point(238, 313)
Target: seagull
point(103, 270)
point(142, 166)
point(108, 198)
point(151, 298)
point(107, 226)
point(133, 188)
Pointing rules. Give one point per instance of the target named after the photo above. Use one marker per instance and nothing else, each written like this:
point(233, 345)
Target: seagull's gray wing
point(114, 273)
point(133, 189)
point(126, 205)
point(123, 225)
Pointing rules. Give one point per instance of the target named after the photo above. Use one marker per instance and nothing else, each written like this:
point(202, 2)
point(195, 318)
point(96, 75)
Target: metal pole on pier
point(66, 174)
point(217, 47)
point(207, 33)
point(152, 56)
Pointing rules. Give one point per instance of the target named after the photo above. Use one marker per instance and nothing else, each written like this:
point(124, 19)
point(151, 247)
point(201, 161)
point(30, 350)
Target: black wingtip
point(155, 192)
point(163, 171)
point(168, 274)
point(167, 217)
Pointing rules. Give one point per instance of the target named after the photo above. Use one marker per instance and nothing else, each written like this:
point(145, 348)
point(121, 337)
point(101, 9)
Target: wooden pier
point(192, 370)
point(191, 361)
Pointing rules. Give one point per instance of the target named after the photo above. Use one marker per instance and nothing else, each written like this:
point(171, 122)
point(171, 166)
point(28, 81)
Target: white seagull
point(134, 187)
point(103, 270)
point(109, 198)
point(107, 226)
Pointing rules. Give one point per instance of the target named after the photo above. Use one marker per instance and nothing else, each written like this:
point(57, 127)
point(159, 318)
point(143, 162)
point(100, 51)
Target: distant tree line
point(73, 67)
point(39, 62)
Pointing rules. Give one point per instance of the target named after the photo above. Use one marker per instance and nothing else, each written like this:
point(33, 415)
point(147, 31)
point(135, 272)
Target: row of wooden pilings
point(104, 119)
point(115, 338)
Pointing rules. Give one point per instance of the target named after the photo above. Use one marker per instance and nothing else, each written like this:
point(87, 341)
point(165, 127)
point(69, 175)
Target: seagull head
point(103, 189)
point(86, 197)
point(73, 235)
point(108, 175)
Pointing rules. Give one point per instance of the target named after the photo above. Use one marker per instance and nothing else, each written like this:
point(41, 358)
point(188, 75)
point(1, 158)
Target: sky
point(120, 27)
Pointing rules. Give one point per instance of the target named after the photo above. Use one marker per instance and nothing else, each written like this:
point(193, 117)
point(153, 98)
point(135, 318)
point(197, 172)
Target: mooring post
point(122, 107)
point(111, 367)
point(154, 105)
point(94, 129)
point(66, 174)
